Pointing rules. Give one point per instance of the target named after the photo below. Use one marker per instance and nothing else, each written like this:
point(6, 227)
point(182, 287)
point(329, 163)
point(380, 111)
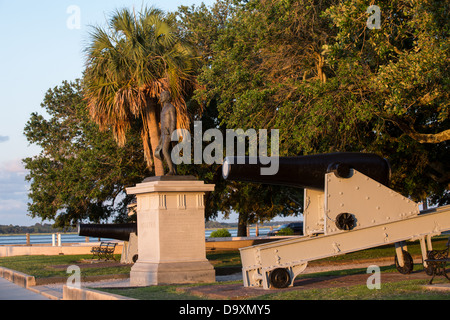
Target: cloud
point(4, 139)
point(12, 180)
point(12, 166)
point(13, 192)
point(11, 205)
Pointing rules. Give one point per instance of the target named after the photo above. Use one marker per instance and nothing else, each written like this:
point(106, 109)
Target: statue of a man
point(168, 125)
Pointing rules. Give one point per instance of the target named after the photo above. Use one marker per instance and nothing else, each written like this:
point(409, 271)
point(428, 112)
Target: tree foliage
point(209, 29)
point(405, 74)
point(81, 172)
point(315, 71)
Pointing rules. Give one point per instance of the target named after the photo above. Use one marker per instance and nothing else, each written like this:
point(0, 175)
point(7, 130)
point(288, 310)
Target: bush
point(285, 232)
point(221, 233)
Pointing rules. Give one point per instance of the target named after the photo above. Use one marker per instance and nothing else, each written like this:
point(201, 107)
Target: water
point(74, 238)
point(262, 232)
point(44, 239)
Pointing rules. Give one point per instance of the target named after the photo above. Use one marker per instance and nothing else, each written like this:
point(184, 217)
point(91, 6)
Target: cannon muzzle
point(307, 171)
point(111, 231)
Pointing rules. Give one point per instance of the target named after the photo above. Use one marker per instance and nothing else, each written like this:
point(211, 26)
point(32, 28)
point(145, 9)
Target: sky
point(41, 45)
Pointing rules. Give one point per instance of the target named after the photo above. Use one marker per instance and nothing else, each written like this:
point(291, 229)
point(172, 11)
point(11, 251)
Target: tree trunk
point(242, 225)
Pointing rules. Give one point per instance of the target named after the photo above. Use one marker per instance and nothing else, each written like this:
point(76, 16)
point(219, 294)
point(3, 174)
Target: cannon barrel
point(307, 171)
point(111, 231)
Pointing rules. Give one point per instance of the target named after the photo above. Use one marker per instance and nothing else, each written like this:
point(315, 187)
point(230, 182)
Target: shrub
point(285, 232)
point(221, 233)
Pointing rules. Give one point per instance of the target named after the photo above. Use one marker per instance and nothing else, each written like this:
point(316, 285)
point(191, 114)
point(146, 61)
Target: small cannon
point(348, 207)
point(124, 231)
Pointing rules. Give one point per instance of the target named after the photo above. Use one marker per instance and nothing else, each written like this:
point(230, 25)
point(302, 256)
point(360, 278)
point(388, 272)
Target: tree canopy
point(81, 172)
point(314, 70)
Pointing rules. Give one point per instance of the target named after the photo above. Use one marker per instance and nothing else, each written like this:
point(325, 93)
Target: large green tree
point(254, 203)
point(81, 173)
point(402, 71)
point(207, 28)
point(129, 64)
point(315, 71)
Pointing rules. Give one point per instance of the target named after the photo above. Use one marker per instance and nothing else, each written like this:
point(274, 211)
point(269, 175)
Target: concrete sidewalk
point(11, 291)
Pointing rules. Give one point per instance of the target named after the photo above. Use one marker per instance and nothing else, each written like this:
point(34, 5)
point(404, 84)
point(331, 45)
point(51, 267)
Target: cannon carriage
point(348, 206)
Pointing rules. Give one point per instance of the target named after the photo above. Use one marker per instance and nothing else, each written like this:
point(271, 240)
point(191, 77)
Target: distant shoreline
point(35, 233)
point(209, 225)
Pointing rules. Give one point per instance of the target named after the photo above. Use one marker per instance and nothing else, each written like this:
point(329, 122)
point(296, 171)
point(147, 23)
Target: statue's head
point(165, 97)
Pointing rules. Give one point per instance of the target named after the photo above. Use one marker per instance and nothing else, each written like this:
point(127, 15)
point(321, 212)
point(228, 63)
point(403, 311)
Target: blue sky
point(38, 50)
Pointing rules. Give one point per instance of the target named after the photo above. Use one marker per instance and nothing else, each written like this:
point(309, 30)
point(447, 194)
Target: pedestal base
point(148, 274)
point(171, 232)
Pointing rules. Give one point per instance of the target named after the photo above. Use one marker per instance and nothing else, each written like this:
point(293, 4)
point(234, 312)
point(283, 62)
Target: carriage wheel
point(408, 265)
point(280, 278)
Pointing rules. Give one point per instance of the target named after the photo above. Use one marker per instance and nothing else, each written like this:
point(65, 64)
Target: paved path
point(11, 291)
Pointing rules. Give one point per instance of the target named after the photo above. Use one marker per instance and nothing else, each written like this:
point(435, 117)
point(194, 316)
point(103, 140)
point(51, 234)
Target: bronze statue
point(168, 125)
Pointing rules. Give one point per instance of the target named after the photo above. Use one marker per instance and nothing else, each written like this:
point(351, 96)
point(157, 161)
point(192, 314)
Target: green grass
point(153, 293)
point(386, 251)
point(224, 258)
point(402, 290)
point(40, 266)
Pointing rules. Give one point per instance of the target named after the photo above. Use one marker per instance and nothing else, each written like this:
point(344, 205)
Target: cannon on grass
point(348, 206)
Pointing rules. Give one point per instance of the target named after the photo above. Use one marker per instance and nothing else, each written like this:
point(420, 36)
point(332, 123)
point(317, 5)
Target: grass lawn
point(56, 266)
point(402, 290)
point(44, 267)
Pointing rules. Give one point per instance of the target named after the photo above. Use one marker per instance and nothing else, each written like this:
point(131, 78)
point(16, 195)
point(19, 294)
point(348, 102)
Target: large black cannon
point(119, 231)
point(307, 171)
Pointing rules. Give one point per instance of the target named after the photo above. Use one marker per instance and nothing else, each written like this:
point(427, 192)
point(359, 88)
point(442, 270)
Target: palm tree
point(128, 65)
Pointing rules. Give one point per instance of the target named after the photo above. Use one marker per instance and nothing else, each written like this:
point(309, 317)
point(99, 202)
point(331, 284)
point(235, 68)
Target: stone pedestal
point(171, 232)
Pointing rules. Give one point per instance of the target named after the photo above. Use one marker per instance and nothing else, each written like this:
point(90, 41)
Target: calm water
point(74, 238)
point(43, 238)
